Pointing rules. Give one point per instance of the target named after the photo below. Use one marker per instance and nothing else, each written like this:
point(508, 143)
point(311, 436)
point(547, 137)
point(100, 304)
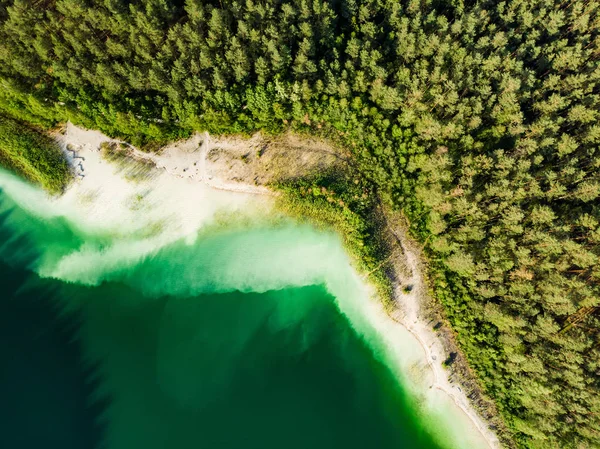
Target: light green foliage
point(33, 155)
point(337, 200)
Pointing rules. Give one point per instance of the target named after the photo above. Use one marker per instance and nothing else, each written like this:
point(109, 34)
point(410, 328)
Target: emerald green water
point(233, 341)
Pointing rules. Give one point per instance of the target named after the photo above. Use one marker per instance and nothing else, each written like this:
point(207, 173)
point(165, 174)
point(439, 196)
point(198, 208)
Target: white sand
point(187, 160)
point(140, 217)
point(179, 186)
point(185, 190)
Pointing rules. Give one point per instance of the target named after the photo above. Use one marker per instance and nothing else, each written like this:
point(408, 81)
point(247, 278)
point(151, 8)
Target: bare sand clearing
point(237, 169)
point(223, 163)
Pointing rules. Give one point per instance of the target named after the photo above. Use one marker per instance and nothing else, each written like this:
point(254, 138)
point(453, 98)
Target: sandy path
point(408, 314)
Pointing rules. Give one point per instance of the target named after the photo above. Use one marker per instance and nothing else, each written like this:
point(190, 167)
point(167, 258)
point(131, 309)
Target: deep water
point(185, 347)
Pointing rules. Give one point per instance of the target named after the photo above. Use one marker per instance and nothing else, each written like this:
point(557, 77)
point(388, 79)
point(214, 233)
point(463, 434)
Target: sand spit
point(245, 167)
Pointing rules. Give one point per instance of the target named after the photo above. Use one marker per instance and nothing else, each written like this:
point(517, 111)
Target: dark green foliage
point(478, 119)
point(33, 155)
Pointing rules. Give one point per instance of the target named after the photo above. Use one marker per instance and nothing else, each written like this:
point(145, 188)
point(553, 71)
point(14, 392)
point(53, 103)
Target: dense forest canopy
point(479, 119)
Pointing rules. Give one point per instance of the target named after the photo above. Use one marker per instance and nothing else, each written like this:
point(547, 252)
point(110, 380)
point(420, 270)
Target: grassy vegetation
point(345, 203)
point(133, 169)
point(114, 152)
point(33, 155)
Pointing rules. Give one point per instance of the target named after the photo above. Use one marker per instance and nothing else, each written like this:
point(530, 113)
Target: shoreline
point(410, 310)
point(187, 160)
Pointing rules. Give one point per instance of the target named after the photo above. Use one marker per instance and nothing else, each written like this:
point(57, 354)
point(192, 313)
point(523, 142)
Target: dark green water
point(171, 352)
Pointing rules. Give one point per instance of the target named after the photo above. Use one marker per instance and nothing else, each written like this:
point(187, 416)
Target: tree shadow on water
point(45, 386)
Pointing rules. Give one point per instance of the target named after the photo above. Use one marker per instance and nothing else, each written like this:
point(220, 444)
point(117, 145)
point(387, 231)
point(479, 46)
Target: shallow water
point(233, 337)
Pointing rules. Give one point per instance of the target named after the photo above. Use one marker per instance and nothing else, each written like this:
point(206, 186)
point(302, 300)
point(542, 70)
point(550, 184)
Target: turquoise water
point(242, 338)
